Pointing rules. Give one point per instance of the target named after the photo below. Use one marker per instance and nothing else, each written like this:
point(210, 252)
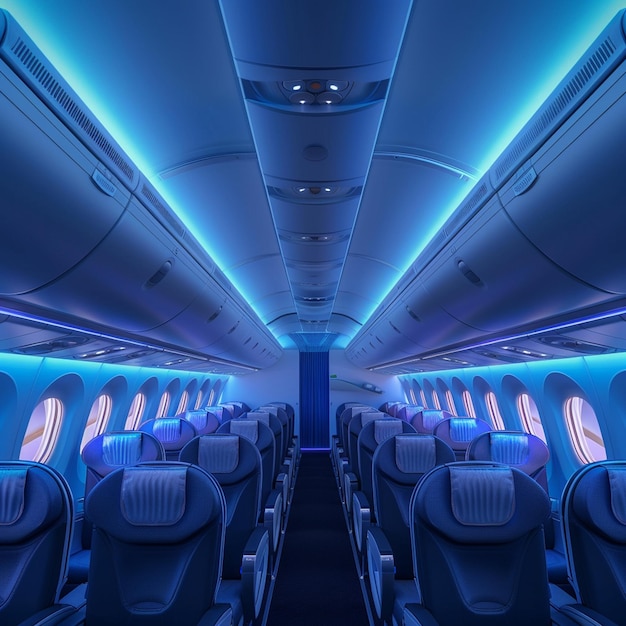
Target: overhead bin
point(147, 278)
point(49, 183)
point(486, 277)
point(576, 191)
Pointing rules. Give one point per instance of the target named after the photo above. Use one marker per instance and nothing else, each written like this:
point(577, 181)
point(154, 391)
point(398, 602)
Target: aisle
point(317, 582)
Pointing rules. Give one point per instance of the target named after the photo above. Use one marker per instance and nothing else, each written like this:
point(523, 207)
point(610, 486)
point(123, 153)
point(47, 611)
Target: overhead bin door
point(58, 202)
point(135, 280)
point(573, 203)
point(492, 278)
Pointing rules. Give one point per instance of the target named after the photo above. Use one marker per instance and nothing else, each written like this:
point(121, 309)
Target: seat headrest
point(463, 429)
point(12, 488)
point(415, 454)
point(261, 416)
point(509, 448)
point(369, 416)
point(385, 428)
point(480, 502)
point(152, 496)
point(246, 428)
point(167, 429)
point(482, 497)
point(431, 418)
point(121, 448)
point(219, 454)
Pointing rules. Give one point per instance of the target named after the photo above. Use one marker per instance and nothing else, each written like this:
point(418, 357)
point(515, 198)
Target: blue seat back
point(594, 527)
point(425, 420)
point(173, 433)
point(354, 428)
point(235, 462)
point(478, 546)
point(112, 450)
point(262, 437)
point(202, 420)
point(157, 545)
point(370, 437)
point(409, 411)
point(398, 464)
point(515, 448)
point(458, 432)
point(36, 519)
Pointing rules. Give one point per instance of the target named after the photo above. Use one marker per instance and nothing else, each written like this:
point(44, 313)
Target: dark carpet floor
point(317, 582)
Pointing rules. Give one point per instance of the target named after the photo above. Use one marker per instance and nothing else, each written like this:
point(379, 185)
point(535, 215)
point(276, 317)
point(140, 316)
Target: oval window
point(42, 431)
point(584, 430)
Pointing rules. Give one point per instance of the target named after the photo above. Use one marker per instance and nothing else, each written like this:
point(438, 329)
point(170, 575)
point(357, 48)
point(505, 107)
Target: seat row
point(161, 541)
point(391, 458)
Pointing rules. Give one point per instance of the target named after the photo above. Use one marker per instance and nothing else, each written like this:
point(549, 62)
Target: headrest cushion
point(415, 454)
point(385, 428)
point(121, 448)
point(152, 496)
point(246, 428)
point(482, 497)
point(219, 454)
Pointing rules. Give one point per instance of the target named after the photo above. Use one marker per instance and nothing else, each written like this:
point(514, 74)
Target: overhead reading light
point(315, 91)
point(526, 352)
point(100, 353)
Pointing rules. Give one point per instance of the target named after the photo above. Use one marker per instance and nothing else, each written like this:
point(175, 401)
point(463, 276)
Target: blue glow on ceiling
point(581, 41)
point(31, 15)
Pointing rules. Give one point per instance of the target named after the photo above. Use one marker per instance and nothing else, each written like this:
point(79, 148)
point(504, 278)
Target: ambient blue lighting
point(38, 20)
point(592, 24)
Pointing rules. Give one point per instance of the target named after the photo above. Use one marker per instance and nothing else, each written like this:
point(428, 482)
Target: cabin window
point(42, 431)
point(98, 418)
point(423, 397)
point(135, 413)
point(468, 404)
point(436, 403)
point(164, 404)
point(584, 430)
point(529, 415)
point(184, 401)
point(412, 396)
point(198, 400)
point(211, 397)
point(450, 402)
point(494, 410)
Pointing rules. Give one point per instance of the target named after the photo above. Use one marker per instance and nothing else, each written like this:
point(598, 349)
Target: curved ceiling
point(313, 205)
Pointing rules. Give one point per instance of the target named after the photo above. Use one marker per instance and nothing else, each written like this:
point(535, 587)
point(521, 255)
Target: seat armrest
point(361, 518)
point(350, 485)
point(579, 615)
point(217, 615)
point(417, 615)
point(559, 597)
point(254, 568)
point(282, 484)
point(65, 614)
point(381, 567)
point(273, 517)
